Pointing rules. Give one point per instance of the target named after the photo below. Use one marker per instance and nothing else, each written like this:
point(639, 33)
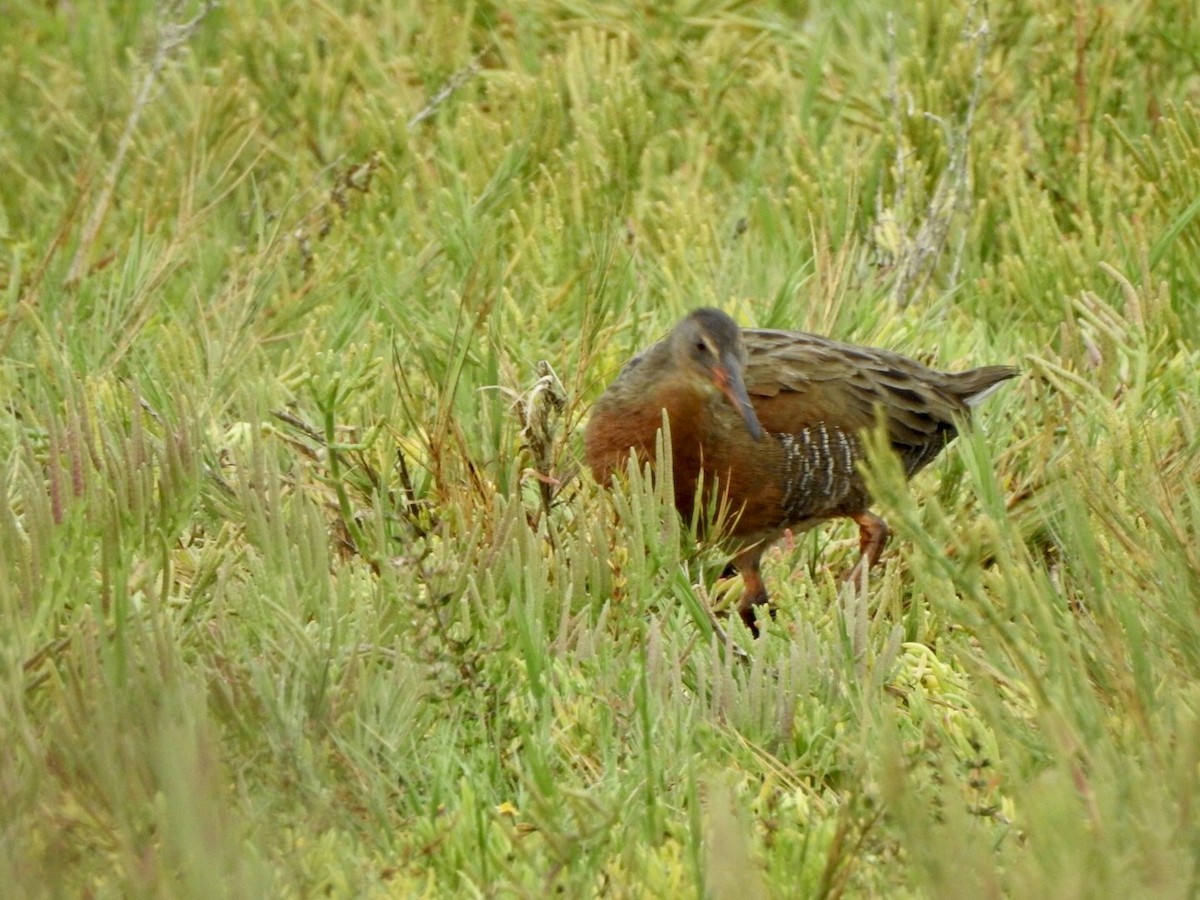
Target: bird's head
point(708, 344)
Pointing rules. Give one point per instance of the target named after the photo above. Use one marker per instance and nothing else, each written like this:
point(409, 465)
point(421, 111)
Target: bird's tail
point(977, 385)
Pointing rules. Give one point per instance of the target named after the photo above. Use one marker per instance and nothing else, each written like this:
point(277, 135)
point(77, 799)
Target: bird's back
point(797, 380)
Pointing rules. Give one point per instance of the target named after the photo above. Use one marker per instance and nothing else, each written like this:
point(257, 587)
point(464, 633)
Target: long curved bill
point(728, 377)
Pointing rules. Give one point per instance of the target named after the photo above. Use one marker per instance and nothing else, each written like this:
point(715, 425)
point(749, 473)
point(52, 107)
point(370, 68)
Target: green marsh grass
point(306, 591)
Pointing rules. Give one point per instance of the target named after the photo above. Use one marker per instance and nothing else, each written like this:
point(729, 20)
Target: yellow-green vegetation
point(304, 592)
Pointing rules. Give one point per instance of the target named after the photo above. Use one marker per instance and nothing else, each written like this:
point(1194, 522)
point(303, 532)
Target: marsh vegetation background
point(303, 591)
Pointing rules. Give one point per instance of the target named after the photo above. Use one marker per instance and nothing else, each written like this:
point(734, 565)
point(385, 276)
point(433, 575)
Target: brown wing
point(797, 379)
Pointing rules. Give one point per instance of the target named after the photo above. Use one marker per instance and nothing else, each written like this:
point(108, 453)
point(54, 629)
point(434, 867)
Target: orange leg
point(872, 537)
point(754, 590)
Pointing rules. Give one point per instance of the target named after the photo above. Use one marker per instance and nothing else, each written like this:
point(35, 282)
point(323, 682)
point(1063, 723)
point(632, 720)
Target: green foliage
point(304, 590)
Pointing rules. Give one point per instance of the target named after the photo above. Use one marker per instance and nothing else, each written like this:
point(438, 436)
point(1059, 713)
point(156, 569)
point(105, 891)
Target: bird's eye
point(701, 347)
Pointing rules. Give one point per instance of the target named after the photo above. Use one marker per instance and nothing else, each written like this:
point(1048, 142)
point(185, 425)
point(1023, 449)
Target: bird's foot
point(754, 597)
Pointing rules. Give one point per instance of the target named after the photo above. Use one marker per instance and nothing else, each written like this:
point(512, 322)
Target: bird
point(771, 424)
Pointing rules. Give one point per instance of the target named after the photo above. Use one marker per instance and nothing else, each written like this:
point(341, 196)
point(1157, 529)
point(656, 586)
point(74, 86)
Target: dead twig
point(916, 253)
point(170, 37)
point(457, 80)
